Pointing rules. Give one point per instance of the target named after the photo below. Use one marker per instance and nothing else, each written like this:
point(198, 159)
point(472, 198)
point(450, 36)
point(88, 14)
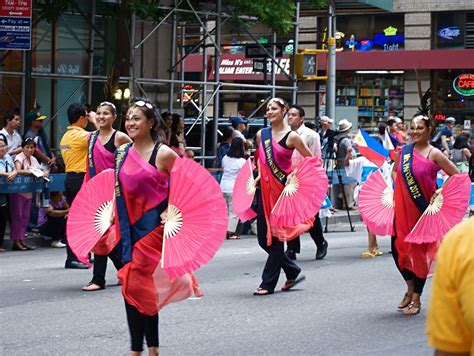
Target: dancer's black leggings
point(419, 283)
point(141, 325)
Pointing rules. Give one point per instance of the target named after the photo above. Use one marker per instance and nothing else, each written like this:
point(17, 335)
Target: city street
point(346, 306)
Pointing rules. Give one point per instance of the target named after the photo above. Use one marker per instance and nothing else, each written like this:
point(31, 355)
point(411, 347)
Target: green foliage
point(50, 10)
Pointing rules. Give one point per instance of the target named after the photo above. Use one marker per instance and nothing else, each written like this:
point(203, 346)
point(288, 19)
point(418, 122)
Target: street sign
point(259, 65)
point(15, 24)
point(256, 51)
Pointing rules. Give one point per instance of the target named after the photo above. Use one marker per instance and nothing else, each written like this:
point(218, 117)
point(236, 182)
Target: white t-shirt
point(238, 134)
point(231, 168)
point(13, 141)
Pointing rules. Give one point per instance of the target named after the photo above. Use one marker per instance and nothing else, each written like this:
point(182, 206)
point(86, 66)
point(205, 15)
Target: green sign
point(464, 84)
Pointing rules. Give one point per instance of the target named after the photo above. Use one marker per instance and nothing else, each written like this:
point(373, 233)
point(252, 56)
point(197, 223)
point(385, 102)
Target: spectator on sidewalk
point(52, 220)
point(73, 147)
point(326, 135)
point(232, 163)
point(461, 153)
point(239, 123)
point(343, 143)
point(7, 169)
point(36, 132)
point(10, 131)
point(20, 203)
point(444, 138)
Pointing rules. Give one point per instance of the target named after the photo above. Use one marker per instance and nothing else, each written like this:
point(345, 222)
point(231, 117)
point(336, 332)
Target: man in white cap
point(326, 135)
point(343, 142)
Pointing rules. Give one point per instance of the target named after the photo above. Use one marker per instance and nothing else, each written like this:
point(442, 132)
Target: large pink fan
point(90, 214)
point(302, 196)
point(447, 209)
point(244, 192)
point(376, 205)
point(196, 223)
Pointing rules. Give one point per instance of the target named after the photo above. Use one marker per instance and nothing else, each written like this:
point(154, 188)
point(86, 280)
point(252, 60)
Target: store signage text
point(245, 66)
point(464, 84)
point(449, 33)
point(61, 68)
point(440, 117)
point(389, 40)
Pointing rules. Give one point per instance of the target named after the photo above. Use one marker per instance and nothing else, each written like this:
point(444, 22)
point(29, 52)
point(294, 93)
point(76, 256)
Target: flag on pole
point(389, 145)
point(370, 148)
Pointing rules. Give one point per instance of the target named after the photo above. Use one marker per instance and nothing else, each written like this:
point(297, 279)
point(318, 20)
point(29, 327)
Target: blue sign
point(449, 33)
point(25, 184)
point(15, 33)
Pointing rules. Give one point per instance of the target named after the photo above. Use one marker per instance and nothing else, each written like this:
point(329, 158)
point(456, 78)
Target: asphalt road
point(347, 306)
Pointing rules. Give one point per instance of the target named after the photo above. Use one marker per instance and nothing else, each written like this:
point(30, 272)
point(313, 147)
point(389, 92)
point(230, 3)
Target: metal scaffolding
point(209, 90)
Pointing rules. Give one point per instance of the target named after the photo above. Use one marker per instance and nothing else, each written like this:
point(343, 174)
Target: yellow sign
point(390, 31)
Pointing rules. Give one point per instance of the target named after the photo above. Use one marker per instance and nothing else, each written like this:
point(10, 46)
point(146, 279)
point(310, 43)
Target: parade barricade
point(25, 184)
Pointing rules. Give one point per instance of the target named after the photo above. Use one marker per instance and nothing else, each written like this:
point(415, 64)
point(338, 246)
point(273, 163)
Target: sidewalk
point(36, 240)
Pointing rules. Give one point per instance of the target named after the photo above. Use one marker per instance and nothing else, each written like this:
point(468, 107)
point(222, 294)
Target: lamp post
point(331, 81)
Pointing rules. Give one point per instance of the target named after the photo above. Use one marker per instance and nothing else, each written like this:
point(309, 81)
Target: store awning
point(383, 4)
point(235, 67)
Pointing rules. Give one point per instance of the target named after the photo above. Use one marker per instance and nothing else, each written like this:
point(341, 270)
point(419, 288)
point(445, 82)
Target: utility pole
point(331, 81)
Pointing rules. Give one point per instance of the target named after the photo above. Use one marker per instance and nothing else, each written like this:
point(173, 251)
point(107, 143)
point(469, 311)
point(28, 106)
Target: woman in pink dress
point(100, 155)
point(275, 148)
point(142, 170)
point(415, 186)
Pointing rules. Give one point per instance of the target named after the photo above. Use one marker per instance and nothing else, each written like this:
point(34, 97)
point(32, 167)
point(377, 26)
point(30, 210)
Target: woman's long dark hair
point(175, 123)
point(461, 142)
point(236, 149)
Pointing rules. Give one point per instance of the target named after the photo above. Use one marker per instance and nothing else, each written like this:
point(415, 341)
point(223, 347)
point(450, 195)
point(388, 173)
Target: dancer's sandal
point(92, 287)
point(261, 291)
point(412, 309)
point(290, 283)
point(405, 302)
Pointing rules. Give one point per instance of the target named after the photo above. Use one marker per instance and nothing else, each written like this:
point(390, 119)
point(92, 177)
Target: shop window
point(449, 30)
point(375, 96)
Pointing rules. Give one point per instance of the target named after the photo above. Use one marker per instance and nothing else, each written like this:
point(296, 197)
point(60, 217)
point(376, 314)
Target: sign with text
point(15, 24)
point(24, 184)
point(256, 51)
point(464, 84)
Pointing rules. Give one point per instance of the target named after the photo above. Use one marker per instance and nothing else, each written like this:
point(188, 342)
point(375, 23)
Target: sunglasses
point(142, 103)
point(107, 103)
point(421, 117)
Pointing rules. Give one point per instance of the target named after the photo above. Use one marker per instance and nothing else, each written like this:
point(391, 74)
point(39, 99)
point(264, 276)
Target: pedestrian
point(444, 138)
point(450, 321)
point(232, 162)
point(20, 203)
point(312, 140)
point(177, 139)
point(7, 170)
point(52, 219)
point(275, 149)
point(402, 132)
point(326, 135)
point(138, 211)
point(342, 143)
point(240, 125)
point(224, 145)
point(415, 184)
point(392, 125)
point(10, 131)
point(461, 153)
point(164, 130)
point(360, 168)
point(36, 132)
point(100, 152)
point(73, 147)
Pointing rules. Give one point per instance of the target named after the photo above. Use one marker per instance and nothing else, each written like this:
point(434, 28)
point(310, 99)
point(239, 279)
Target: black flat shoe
point(75, 265)
point(322, 252)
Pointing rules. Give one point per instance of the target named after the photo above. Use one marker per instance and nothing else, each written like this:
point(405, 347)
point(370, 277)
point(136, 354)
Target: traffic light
point(306, 64)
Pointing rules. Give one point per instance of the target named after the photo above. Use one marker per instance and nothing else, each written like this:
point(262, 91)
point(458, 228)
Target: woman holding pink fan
point(101, 147)
point(275, 148)
point(142, 172)
point(415, 186)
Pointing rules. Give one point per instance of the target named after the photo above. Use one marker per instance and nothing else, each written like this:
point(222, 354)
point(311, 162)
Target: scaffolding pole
point(217, 65)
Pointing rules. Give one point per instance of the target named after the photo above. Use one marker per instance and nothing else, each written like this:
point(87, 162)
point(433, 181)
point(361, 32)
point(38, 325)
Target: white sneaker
point(58, 244)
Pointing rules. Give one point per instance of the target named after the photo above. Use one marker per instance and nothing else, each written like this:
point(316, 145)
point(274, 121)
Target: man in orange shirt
point(74, 152)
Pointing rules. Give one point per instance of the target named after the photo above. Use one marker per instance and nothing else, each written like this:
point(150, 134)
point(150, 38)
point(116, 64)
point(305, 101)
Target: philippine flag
point(370, 148)
point(388, 145)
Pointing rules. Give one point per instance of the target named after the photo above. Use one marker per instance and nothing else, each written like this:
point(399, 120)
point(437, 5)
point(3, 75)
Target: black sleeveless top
point(152, 159)
point(110, 145)
point(282, 142)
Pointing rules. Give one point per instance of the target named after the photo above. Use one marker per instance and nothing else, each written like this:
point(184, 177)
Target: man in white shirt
point(311, 139)
point(10, 131)
point(240, 126)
